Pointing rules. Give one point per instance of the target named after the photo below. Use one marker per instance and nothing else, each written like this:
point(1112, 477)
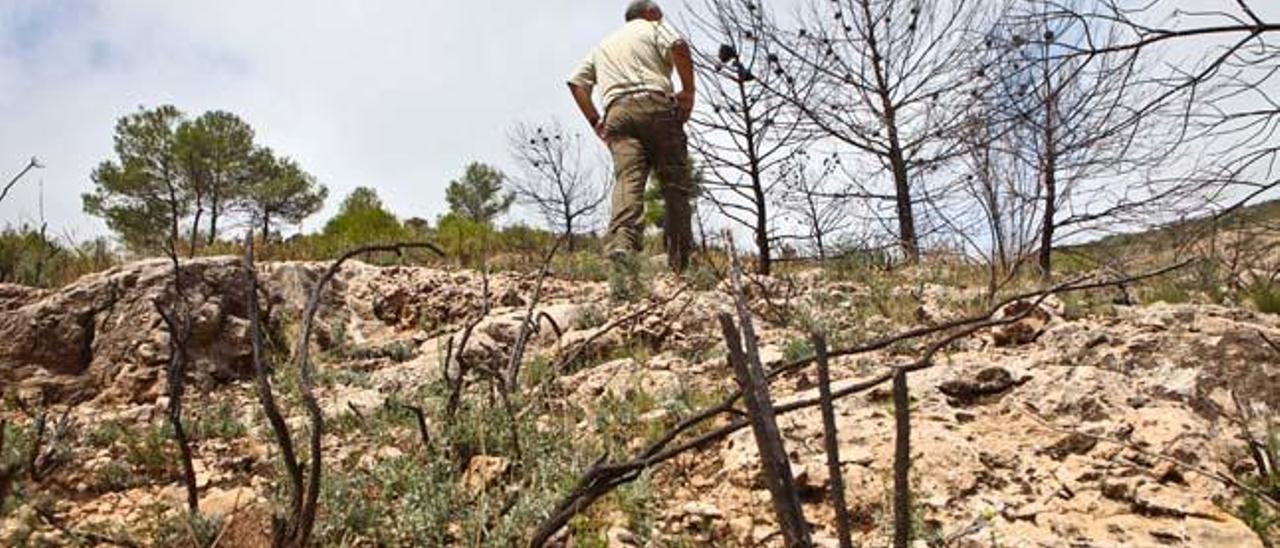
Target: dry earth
point(996, 462)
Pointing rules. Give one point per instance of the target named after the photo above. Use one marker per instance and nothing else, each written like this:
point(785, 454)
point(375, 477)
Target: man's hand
point(684, 103)
point(582, 96)
point(601, 131)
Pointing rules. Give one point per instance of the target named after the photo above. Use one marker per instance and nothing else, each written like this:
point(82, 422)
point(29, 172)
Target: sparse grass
point(796, 348)
point(359, 504)
point(336, 374)
point(17, 445)
point(591, 316)
point(1260, 518)
point(618, 419)
point(394, 351)
point(186, 530)
point(417, 500)
point(636, 500)
point(536, 370)
point(219, 421)
point(1265, 298)
point(629, 279)
point(856, 265)
point(588, 266)
point(113, 476)
point(373, 424)
point(1167, 292)
point(152, 452)
point(701, 277)
point(107, 433)
point(1079, 305)
point(702, 352)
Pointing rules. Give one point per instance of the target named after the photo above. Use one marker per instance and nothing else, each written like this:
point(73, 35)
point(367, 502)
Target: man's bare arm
point(582, 96)
point(682, 56)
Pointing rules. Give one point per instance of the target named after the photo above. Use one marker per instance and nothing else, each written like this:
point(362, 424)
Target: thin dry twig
point(831, 444)
point(266, 397)
point(529, 323)
point(33, 163)
point(305, 519)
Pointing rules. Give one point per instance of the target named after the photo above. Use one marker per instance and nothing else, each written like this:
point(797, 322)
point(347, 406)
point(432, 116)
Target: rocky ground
point(1095, 426)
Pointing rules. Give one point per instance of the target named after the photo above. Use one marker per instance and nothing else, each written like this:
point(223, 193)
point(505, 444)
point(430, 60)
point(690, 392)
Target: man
point(643, 125)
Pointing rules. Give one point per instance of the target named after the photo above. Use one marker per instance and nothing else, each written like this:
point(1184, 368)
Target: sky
point(397, 95)
point(394, 94)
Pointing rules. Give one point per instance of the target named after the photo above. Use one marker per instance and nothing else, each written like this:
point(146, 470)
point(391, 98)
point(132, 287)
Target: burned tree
point(1076, 122)
point(748, 132)
point(1222, 101)
point(1001, 195)
point(821, 211)
point(887, 80)
point(295, 529)
point(556, 180)
point(744, 358)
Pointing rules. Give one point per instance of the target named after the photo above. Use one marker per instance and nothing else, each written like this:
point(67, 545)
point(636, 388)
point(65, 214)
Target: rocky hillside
point(1101, 426)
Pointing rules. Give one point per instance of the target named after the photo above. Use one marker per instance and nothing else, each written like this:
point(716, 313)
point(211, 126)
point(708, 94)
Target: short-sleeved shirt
point(636, 57)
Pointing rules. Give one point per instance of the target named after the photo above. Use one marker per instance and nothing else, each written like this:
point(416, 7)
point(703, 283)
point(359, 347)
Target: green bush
point(187, 530)
point(1265, 298)
point(153, 452)
point(797, 348)
point(29, 257)
point(464, 240)
point(1166, 291)
point(220, 421)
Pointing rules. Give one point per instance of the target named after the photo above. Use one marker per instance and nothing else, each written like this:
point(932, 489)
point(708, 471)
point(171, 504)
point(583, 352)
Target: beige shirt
point(636, 57)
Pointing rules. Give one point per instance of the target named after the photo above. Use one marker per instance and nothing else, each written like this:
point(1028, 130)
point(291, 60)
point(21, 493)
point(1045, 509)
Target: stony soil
point(1101, 430)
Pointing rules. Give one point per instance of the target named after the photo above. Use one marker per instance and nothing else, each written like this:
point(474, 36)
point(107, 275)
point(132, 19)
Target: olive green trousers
point(646, 135)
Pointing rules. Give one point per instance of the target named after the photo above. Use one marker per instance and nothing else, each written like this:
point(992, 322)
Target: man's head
point(643, 9)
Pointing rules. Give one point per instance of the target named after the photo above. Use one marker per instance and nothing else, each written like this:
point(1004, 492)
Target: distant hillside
point(1175, 235)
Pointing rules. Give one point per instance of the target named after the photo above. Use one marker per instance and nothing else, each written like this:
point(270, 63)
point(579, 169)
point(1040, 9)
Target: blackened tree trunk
point(1049, 175)
point(901, 461)
point(214, 212)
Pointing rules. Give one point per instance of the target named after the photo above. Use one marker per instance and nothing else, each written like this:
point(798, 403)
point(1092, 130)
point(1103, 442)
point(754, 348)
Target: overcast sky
point(397, 95)
point(393, 94)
